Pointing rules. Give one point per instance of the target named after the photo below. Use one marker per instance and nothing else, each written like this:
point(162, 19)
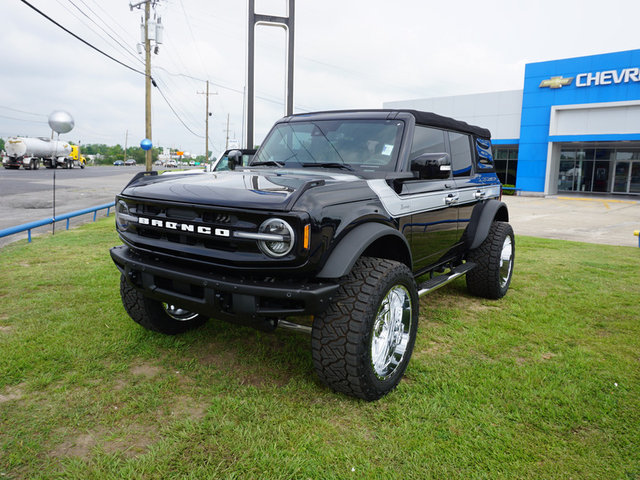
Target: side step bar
point(296, 327)
point(423, 288)
point(441, 280)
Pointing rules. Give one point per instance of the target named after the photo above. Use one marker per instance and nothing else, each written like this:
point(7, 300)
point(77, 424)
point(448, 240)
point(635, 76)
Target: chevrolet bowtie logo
point(556, 82)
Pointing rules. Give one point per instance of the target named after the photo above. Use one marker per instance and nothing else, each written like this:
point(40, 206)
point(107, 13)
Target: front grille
point(211, 219)
point(201, 233)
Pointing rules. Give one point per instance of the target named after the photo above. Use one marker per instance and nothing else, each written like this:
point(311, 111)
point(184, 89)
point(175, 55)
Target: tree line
point(107, 154)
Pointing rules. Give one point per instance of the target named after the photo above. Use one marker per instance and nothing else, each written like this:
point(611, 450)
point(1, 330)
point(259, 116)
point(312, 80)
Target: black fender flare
point(353, 244)
point(481, 219)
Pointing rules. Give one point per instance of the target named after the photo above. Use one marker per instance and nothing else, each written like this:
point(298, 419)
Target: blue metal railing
point(27, 227)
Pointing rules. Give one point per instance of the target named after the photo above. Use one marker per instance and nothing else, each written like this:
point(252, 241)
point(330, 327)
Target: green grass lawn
point(544, 383)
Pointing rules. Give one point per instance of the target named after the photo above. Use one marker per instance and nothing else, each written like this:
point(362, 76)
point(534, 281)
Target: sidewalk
point(607, 220)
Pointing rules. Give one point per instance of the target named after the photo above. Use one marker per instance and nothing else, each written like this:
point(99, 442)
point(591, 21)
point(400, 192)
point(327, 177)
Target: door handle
point(451, 198)
point(480, 194)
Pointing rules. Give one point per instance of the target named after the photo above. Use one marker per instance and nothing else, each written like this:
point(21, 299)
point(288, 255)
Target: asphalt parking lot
point(607, 220)
point(27, 196)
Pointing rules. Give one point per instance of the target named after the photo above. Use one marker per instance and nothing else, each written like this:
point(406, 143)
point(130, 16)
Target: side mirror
point(432, 166)
point(235, 159)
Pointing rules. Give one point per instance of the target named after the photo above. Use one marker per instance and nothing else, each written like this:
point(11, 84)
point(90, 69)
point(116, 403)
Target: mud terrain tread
point(340, 335)
point(484, 280)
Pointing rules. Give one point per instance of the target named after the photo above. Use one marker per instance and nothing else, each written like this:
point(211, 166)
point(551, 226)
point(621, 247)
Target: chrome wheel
point(506, 261)
point(391, 332)
point(178, 313)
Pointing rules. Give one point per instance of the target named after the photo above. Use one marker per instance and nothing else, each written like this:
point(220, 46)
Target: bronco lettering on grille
point(184, 227)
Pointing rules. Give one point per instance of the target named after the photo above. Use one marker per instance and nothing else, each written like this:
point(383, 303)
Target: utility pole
point(146, 43)
point(147, 84)
point(207, 114)
point(126, 140)
point(226, 145)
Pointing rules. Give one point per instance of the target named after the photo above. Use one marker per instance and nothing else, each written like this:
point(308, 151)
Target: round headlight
point(122, 215)
point(277, 228)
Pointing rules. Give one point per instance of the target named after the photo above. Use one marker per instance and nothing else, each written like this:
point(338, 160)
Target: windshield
point(358, 145)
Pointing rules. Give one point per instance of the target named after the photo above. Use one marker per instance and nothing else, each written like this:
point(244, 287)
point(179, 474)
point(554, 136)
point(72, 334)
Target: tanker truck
point(30, 152)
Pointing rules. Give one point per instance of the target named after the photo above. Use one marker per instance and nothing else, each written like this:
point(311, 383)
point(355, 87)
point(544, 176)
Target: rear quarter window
point(484, 155)
point(461, 158)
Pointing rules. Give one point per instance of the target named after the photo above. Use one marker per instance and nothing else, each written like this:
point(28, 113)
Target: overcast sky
point(348, 54)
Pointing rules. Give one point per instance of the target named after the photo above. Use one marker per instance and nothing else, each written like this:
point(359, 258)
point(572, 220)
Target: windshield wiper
point(343, 166)
point(267, 162)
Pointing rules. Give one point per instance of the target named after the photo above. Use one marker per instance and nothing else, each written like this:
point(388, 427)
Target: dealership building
point(574, 127)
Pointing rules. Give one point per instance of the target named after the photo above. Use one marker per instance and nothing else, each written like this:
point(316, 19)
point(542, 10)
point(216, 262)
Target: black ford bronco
point(337, 226)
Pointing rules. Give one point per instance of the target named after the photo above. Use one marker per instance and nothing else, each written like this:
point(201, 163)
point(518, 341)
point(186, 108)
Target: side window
point(461, 158)
point(427, 140)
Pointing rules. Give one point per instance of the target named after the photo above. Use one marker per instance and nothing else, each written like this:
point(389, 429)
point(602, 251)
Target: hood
point(273, 189)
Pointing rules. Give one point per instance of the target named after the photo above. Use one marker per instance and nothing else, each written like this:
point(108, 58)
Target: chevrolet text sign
point(606, 77)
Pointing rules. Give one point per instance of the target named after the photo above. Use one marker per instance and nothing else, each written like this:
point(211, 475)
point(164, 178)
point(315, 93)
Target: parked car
point(130, 163)
point(118, 163)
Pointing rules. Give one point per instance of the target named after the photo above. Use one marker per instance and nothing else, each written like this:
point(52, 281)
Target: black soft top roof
point(435, 120)
point(422, 118)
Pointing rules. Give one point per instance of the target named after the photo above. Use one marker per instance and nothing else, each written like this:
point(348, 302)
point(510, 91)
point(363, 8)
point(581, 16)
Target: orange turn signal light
point(305, 238)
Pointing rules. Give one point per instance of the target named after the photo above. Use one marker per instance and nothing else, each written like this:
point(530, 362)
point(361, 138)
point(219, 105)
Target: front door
point(433, 228)
point(626, 177)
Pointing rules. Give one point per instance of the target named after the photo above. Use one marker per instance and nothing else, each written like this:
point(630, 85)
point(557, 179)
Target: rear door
point(474, 174)
point(462, 165)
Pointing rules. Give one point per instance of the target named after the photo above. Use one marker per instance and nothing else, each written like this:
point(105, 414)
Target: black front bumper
point(236, 299)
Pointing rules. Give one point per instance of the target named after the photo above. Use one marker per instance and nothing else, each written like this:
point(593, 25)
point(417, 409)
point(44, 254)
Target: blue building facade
point(580, 125)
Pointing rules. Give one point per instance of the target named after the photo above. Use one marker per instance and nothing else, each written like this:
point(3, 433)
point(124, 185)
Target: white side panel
point(498, 111)
point(400, 206)
point(595, 119)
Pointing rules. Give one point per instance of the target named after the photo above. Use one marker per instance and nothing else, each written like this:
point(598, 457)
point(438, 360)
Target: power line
point(186, 112)
point(81, 39)
point(22, 111)
point(126, 41)
point(175, 113)
point(124, 47)
point(261, 97)
point(131, 39)
point(23, 119)
point(195, 44)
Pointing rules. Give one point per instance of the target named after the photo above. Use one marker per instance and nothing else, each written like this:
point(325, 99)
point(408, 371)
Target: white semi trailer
point(31, 152)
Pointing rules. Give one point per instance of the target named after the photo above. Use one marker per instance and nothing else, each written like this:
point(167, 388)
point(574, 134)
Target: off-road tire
point(486, 279)
point(151, 314)
point(341, 337)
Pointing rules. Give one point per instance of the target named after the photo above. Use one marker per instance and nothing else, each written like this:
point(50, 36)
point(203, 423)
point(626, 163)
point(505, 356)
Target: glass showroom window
point(506, 163)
